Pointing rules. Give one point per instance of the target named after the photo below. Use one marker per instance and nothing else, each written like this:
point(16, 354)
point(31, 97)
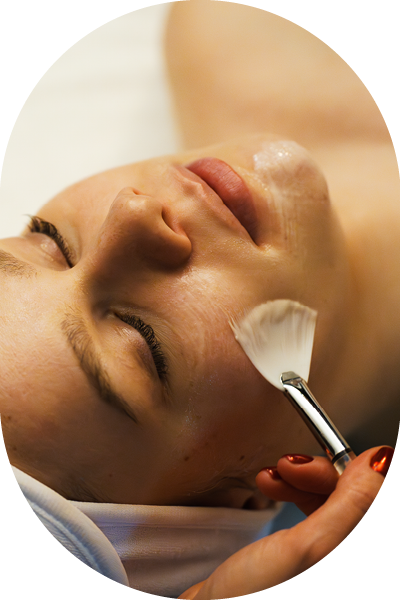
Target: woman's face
point(120, 372)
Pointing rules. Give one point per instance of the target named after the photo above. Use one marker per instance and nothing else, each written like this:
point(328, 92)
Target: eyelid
point(39, 225)
point(149, 335)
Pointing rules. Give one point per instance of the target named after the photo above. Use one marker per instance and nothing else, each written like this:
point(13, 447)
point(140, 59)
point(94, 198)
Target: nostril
point(175, 246)
point(171, 248)
point(141, 226)
point(129, 191)
point(172, 221)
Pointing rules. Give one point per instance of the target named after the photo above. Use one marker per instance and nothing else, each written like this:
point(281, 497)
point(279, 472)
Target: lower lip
point(230, 187)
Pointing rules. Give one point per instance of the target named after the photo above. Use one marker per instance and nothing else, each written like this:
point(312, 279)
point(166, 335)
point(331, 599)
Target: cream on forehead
point(197, 304)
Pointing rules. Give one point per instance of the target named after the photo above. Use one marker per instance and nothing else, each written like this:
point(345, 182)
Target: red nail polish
point(380, 462)
point(273, 473)
point(298, 459)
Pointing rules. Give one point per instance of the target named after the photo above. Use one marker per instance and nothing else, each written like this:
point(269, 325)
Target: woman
point(127, 280)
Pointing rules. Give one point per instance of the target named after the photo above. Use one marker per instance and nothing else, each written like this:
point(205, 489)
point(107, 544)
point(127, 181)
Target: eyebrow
point(81, 342)
point(16, 267)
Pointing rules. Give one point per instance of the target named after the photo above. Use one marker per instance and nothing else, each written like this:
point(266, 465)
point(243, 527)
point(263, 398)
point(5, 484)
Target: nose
point(139, 230)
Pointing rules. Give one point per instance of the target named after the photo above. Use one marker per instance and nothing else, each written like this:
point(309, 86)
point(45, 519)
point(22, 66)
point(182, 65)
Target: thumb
point(192, 591)
point(355, 491)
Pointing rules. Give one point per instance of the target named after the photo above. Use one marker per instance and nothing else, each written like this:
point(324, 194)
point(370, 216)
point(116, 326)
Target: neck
point(366, 196)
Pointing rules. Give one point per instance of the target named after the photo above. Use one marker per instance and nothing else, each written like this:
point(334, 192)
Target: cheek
point(231, 400)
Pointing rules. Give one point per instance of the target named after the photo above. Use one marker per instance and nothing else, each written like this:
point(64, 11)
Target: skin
point(143, 238)
point(235, 70)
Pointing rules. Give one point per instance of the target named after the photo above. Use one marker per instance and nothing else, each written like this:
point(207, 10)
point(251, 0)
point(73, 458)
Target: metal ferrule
point(335, 446)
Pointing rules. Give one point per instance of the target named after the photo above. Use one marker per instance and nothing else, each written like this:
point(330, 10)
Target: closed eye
point(38, 225)
point(147, 332)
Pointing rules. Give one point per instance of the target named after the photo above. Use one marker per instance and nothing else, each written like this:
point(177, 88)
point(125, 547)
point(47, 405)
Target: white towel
point(166, 549)
point(160, 550)
point(72, 528)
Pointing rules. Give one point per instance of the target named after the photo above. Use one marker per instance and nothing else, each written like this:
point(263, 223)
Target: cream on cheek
point(232, 418)
point(199, 332)
point(217, 375)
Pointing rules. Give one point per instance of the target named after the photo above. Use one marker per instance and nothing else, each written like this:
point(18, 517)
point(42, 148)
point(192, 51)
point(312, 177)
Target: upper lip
point(230, 188)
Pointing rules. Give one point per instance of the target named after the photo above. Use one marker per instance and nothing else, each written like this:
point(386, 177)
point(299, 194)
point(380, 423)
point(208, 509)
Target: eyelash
point(155, 348)
point(38, 225)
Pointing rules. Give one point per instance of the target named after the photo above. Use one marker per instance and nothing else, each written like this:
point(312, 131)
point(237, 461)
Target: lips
point(230, 187)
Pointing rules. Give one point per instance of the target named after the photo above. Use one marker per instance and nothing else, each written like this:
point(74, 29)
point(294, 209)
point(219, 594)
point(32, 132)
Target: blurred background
point(102, 104)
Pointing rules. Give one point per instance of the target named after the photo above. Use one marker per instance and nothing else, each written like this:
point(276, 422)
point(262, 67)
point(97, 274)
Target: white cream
point(278, 158)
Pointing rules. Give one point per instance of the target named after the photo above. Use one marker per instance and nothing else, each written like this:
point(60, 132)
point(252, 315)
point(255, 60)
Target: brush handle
point(316, 419)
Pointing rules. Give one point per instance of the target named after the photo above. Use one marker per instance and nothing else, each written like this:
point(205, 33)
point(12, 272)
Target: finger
point(192, 591)
point(355, 491)
point(272, 486)
point(301, 479)
point(287, 553)
point(310, 474)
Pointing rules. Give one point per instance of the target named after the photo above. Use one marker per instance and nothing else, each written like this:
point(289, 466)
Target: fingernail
point(380, 462)
point(273, 472)
point(298, 459)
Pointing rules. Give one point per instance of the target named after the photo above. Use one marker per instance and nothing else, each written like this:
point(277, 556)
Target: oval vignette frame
point(29, 47)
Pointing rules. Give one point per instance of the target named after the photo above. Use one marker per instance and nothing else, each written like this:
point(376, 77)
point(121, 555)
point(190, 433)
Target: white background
point(33, 35)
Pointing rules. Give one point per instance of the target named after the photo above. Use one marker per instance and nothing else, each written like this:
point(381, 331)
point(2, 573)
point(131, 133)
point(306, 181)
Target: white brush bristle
point(277, 337)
